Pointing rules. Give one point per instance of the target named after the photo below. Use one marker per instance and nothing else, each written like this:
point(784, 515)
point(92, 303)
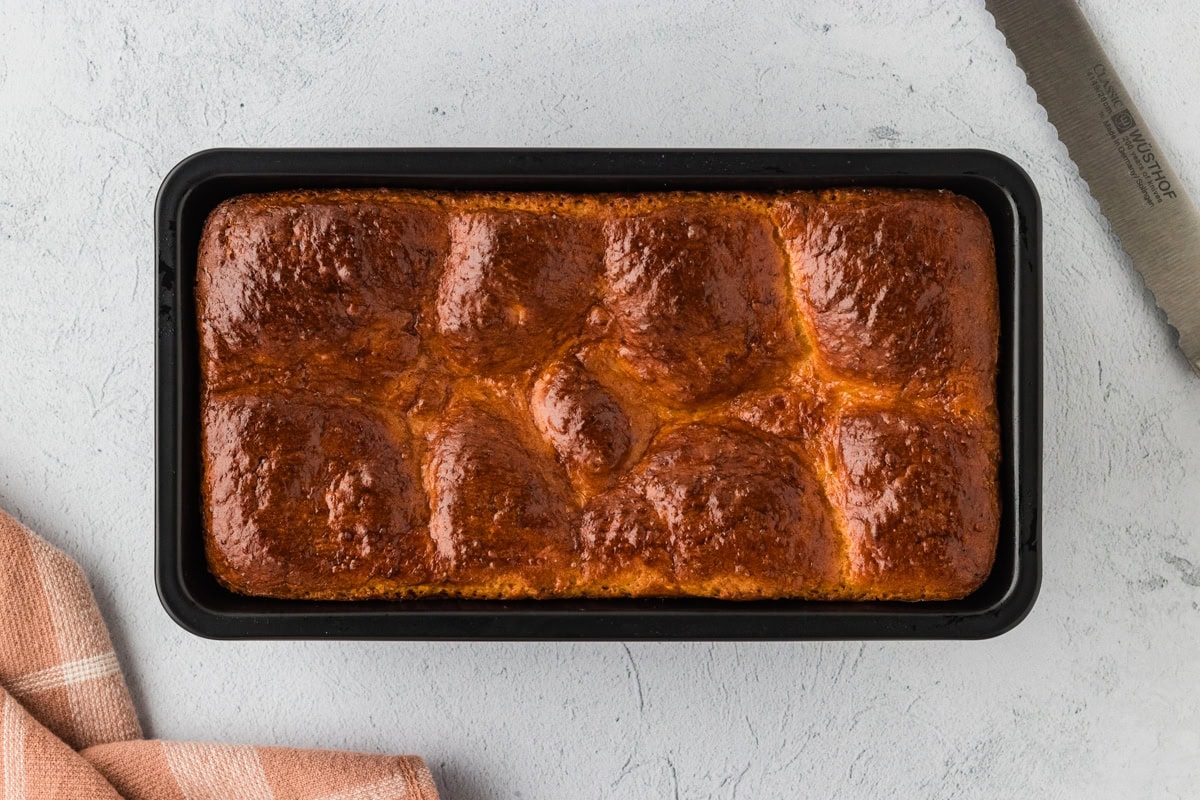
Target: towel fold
point(68, 728)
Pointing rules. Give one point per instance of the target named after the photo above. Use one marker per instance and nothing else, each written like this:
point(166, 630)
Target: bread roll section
point(535, 395)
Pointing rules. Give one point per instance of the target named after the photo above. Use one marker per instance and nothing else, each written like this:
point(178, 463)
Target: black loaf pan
point(198, 603)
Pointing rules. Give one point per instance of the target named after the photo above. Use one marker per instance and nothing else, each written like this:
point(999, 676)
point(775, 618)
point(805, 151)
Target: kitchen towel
point(68, 728)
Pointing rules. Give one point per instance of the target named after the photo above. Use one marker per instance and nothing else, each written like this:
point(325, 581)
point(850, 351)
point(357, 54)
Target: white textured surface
point(1095, 695)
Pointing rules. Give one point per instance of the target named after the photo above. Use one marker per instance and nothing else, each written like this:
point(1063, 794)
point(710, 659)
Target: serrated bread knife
point(1139, 193)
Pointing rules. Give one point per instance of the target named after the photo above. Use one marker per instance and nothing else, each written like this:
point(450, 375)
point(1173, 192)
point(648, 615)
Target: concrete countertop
point(1096, 694)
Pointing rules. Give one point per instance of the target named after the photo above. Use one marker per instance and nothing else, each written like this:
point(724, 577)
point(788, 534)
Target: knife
point(1126, 170)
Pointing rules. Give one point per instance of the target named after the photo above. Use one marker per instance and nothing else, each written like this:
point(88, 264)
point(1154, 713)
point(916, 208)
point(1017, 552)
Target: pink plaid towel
point(68, 729)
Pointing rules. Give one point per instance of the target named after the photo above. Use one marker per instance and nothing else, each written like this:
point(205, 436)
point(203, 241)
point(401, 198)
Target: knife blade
point(1107, 137)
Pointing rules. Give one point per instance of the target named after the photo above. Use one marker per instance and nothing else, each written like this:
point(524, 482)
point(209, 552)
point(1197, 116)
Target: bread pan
point(198, 603)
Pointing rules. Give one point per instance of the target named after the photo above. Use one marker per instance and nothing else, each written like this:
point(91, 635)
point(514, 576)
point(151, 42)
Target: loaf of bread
point(536, 395)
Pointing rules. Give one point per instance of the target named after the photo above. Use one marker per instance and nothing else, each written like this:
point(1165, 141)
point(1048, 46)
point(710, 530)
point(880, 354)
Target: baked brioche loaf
point(493, 395)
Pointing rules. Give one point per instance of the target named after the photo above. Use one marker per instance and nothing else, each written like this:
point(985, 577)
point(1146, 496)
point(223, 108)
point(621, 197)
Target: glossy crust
point(302, 491)
point(892, 289)
point(305, 287)
point(918, 507)
point(697, 291)
point(713, 511)
point(502, 517)
point(541, 395)
point(515, 285)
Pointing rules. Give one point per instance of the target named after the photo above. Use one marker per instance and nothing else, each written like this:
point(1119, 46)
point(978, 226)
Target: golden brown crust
point(894, 286)
point(582, 420)
point(502, 518)
point(918, 502)
point(516, 284)
point(696, 290)
point(713, 511)
point(548, 395)
point(302, 492)
point(310, 286)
